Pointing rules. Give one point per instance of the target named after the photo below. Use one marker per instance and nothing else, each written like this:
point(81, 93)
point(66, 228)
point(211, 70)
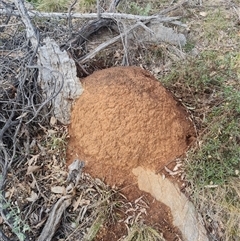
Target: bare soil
point(124, 119)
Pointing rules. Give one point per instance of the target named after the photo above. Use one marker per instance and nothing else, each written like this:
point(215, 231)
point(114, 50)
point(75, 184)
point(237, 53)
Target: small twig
point(237, 12)
point(49, 99)
point(113, 6)
point(146, 28)
point(9, 25)
point(30, 30)
point(125, 61)
point(16, 134)
point(167, 10)
point(38, 188)
point(86, 31)
point(9, 8)
point(98, 10)
point(70, 17)
point(4, 166)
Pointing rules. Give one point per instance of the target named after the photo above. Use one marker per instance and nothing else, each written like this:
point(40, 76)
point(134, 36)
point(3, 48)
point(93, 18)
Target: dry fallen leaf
point(80, 202)
point(58, 190)
point(33, 197)
point(53, 121)
point(177, 167)
point(203, 14)
point(33, 183)
point(32, 169)
point(117, 54)
point(33, 160)
point(10, 192)
point(51, 132)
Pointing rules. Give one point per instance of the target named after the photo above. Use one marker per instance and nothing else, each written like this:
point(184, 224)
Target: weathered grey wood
point(57, 72)
point(126, 16)
point(87, 30)
point(54, 218)
point(58, 77)
point(30, 30)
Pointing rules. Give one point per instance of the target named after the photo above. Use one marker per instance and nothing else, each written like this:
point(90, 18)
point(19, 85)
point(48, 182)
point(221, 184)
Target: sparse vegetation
point(95, 227)
point(135, 8)
point(141, 232)
point(211, 91)
point(63, 5)
point(105, 211)
point(209, 86)
point(19, 227)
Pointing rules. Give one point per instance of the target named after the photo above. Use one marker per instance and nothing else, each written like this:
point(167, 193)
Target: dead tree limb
point(54, 218)
point(104, 45)
point(86, 31)
point(125, 16)
point(30, 30)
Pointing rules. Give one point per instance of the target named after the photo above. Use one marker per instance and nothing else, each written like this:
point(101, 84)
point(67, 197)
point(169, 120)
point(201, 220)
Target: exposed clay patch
point(124, 119)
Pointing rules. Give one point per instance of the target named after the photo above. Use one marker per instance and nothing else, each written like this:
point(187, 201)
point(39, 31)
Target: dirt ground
point(124, 119)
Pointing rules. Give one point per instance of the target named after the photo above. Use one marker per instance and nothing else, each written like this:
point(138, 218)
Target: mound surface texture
point(124, 119)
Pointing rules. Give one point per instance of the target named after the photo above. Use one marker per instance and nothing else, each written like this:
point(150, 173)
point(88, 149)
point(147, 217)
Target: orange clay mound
point(125, 118)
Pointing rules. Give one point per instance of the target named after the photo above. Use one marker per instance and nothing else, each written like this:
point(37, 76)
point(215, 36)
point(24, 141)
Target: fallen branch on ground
point(54, 218)
point(125, 16)
point(107, 43)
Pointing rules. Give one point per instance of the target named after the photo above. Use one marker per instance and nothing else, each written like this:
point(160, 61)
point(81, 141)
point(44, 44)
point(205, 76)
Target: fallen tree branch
point(54, 218)
point(125, 16)
point(107, 43)
point(102, 46)
point(86, 31)
point(31, 32)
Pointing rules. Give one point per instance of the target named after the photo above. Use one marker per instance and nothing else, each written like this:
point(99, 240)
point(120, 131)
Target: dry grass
point(141, 232)
point(220, 208)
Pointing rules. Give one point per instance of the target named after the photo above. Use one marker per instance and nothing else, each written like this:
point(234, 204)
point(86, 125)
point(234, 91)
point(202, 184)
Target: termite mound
point(124, 119)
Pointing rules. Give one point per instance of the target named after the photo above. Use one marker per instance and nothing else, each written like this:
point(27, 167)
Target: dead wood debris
point(54, 218)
